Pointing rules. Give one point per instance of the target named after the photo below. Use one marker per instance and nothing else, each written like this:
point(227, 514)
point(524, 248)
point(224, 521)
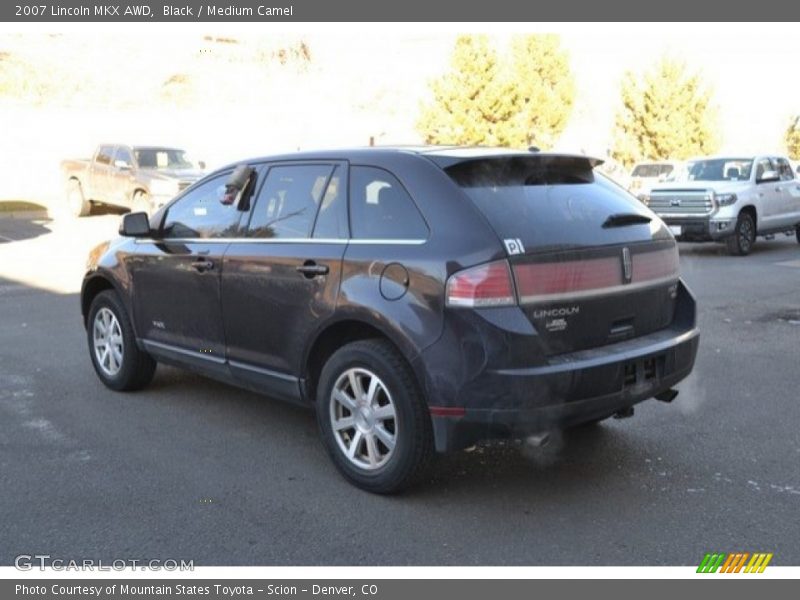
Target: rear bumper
point(702, 229)
point(486, 379)
point(624, 374)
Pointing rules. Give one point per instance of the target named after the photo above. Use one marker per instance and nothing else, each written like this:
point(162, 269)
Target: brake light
point(482, 286)
point(539, 281)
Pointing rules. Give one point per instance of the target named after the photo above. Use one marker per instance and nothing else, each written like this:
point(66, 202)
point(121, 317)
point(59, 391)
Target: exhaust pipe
point(667, 396)
point(624, 413)
point(539, 440)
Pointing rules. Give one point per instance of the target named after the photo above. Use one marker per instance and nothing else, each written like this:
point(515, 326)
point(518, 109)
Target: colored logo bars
point(735, 562)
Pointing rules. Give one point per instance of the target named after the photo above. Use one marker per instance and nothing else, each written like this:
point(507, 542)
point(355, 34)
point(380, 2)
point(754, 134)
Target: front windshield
point(719, 169)
point(162, 158)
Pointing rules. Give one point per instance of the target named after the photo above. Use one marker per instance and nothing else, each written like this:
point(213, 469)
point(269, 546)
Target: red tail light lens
point(548, 282)
point(540, 281)
point(482, 286)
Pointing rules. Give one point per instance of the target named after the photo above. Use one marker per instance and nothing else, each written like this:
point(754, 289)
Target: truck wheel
point(797, 233)
point(373, 418)
point(141, 202)
point(116, 358)
point(744, 235)
point(78, 205)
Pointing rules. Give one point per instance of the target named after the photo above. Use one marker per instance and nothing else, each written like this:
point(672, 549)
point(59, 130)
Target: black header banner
point(371, 10)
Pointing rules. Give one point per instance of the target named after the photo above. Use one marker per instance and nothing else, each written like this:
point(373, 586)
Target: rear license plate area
point(644, 371)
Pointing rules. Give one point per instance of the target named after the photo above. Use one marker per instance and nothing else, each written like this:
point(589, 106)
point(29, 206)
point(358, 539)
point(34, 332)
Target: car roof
point(444, 156)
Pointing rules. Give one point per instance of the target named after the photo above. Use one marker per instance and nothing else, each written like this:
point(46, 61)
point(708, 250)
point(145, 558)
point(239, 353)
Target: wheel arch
point(336, 334)
point(752, 211)
point(92, 286)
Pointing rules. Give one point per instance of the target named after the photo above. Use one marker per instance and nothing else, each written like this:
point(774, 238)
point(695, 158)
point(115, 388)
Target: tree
point(793, 138)
point(545, 86)
point(666, 114)
point(474, 103)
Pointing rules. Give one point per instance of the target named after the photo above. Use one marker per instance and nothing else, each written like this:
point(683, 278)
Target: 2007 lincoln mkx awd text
point(420, 299)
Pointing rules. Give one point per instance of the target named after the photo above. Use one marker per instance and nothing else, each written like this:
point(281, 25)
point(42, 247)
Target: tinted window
point(381, 209)
point(200, 213)
point(162, 158)
point(785, 169)
point(124, 155)
point(719, 169)
point(763, 166)
point(554, 202)
point(104, 155)
point(287, 203)
point(332, 218)
point(650, 170)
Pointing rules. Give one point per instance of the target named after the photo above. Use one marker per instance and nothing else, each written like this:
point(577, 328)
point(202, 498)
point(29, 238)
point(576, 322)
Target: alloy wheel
point(107, 337)
point(363, 418)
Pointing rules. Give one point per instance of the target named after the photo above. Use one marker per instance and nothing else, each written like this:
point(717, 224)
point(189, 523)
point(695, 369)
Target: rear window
point(547, 201)
point(650, 170)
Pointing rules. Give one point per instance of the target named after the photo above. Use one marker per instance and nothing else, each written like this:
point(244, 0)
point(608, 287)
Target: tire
point(78, 205)
point(141, 202)
point(797, 233)
point(744, 235)
point(397, 412)
point(134, 368)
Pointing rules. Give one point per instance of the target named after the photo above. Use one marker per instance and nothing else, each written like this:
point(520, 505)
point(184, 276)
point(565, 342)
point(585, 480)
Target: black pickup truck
point(142, 178)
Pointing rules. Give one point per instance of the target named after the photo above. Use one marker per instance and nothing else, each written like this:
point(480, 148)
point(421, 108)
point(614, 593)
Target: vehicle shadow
point(20, 229)
point(761, 247)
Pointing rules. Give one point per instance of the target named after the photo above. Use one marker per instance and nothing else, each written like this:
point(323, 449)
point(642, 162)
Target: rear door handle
point(203, 264)
point(311, 269)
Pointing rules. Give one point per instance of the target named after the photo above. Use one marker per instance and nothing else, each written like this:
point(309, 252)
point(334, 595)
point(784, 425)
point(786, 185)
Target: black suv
point(419, 298)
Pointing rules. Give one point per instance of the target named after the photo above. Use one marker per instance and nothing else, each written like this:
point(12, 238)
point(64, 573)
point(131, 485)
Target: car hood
point(718, 186)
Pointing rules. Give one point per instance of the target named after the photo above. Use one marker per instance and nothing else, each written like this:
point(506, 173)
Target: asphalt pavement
point(193, 469)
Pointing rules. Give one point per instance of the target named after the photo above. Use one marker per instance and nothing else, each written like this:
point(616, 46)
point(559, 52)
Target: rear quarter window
point(381, 208)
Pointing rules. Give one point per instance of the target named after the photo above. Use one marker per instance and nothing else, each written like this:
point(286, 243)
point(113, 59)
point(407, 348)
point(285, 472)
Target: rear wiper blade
point(622, 219)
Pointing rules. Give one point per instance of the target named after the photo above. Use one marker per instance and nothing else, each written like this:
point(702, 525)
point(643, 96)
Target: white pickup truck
point(730, 199)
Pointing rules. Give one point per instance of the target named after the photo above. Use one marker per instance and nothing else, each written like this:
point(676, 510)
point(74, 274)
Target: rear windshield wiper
point(622, 219)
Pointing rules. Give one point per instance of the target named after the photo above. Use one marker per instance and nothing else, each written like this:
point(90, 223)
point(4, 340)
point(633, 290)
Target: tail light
point(492, 284)
point(482, 286)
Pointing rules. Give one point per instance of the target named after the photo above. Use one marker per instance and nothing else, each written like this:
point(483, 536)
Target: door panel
point(270, 306)
point(177, 295)
point(176, 278)
point(281, 282)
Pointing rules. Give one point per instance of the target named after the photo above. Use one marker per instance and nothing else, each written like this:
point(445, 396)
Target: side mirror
point(135, 224)
point(201, 164)
point(768, 176)
point(236, 185)
point(122, 165)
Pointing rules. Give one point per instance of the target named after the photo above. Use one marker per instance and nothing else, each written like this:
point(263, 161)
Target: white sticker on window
point(200, 211)
point(514, 246)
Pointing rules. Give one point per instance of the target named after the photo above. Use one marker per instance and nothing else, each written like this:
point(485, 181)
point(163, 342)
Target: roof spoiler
point(580, 160)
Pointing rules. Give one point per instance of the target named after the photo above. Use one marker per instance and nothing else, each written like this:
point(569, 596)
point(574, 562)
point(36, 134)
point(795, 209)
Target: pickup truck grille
point(681, 202)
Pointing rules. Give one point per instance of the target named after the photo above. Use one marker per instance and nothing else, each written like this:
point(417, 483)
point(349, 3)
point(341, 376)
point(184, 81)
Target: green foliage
point(545, 86)
point(793, 138)
point(485, 101)
point(666, 114)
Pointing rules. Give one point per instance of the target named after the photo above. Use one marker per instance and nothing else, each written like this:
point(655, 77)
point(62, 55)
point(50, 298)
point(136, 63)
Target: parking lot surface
point(193, 469)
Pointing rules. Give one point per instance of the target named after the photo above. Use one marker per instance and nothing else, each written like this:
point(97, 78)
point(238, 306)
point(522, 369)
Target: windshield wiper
point(622, 219)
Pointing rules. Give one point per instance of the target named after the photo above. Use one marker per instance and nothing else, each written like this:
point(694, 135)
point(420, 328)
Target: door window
point(288, 201)
point(124, 155)
point(785, 170)
point(762, 167)
point(201, 214)
point(381, 209)
point(332, 218)
point(104, 155)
